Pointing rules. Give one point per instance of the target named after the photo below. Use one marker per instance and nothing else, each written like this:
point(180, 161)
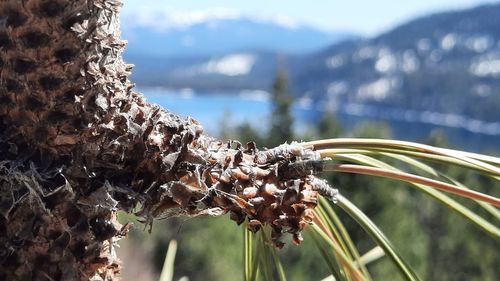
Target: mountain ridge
point(219, 33)
point(447, 62)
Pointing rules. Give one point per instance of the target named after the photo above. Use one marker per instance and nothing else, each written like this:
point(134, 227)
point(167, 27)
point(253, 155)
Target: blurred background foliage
point(437, 243)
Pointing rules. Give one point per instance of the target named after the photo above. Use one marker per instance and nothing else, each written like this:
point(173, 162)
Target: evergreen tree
point(328, 126)
point(281, 129)
point(246, 133)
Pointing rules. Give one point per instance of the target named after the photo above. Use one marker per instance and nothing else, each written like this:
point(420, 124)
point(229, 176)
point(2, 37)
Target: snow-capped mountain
point(226, 72)
point(446, 63)
point(216, 32)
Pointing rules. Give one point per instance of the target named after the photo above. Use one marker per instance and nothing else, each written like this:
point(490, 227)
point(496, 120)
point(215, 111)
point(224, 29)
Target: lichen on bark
point(77, 144)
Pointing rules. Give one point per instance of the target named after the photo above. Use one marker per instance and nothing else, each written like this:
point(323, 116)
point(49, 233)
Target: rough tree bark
point(77, 144)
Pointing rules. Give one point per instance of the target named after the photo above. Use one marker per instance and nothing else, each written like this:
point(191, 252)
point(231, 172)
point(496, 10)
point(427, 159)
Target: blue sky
point(364, 17)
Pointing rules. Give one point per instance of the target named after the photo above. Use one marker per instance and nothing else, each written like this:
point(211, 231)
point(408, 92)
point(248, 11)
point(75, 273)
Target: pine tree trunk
point(77, 145)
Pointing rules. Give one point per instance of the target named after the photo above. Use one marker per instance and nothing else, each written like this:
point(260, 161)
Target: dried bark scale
point(77, 144)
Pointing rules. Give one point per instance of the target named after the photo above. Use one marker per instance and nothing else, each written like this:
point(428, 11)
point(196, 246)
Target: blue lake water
point(254, 107)
point(236, 108)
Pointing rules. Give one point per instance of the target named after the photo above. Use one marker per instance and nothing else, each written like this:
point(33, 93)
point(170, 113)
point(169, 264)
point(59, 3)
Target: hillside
point(447, 63)
point(214, 49)
point(218, 32)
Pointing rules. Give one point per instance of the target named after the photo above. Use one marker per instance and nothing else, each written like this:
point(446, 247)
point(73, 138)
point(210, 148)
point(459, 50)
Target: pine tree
point(328, 126)
point(281, 128)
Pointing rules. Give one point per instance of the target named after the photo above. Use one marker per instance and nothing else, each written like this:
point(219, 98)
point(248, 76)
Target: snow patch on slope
point(230, 65)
